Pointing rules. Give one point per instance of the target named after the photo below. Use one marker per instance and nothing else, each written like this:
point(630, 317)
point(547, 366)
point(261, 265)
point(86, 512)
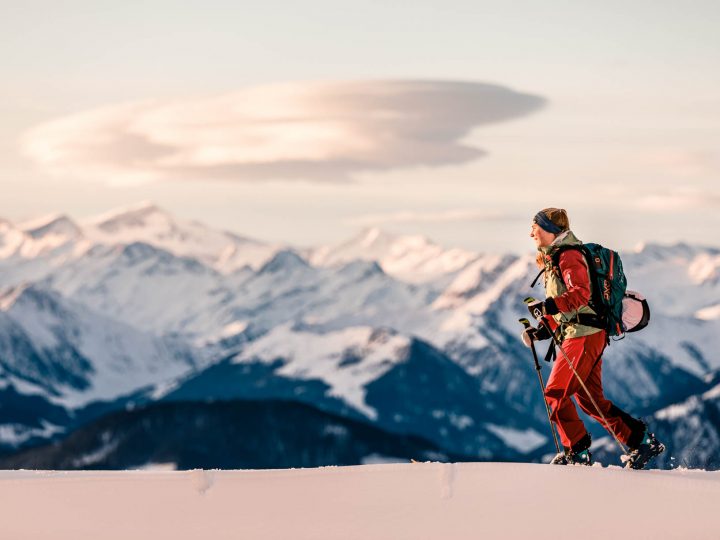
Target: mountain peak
point(412, 258)
point(138, 215)
point(148, 223)
point(373, 236)
point(360, 269)
point(284, 260)
point(53, 224)
point(371, 243)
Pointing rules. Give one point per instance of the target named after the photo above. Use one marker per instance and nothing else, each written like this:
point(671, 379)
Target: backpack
point(618, 310)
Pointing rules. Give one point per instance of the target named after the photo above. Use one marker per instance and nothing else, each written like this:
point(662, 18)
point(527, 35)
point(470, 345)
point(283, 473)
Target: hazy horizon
point(37, 221)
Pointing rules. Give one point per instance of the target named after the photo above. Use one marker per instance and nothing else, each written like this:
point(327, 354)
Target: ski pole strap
point(550, 355)
point(557, 339)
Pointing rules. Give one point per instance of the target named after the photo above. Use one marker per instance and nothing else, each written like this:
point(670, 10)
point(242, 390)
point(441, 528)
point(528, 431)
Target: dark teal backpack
point(618, 310)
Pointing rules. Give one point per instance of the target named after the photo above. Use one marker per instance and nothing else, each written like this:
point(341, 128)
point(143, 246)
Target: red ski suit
point(585, 353)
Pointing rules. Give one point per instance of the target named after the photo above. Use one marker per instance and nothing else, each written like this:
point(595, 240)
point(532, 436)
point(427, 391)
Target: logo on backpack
point(606, 290)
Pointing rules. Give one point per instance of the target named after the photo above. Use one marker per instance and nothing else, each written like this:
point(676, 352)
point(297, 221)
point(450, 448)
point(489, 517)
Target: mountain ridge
point(460, 325)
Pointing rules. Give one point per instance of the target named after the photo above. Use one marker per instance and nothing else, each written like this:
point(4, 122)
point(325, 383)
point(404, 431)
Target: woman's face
point(541, 236)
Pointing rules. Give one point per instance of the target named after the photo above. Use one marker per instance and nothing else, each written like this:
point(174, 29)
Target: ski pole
point(538, 368)
point(539, 316)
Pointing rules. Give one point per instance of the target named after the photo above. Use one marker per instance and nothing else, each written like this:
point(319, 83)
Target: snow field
point(391, 501)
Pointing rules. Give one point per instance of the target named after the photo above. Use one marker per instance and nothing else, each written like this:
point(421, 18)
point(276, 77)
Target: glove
point(534, 334)
point(539, 308)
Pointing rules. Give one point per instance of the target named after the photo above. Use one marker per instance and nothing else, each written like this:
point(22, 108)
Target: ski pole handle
point(528, 326)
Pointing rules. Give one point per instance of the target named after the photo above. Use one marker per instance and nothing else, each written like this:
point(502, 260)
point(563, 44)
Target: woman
point(568, 295)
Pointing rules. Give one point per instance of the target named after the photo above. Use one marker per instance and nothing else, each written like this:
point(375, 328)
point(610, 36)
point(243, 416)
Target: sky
point(305, 122)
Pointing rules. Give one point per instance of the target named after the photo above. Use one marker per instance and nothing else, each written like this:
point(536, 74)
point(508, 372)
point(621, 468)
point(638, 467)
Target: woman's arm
point(574, 271)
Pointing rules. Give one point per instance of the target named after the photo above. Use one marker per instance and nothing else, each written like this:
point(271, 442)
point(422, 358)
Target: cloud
point(678, 200)
point(685, 162)
point(445, 216)
point(316, 131)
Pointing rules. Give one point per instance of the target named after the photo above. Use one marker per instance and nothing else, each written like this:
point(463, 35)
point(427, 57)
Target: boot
point(583, 457)
point(640, 455)
point(579, 454)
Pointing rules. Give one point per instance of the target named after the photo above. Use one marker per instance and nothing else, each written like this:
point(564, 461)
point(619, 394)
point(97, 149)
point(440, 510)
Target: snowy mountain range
point(136, 307)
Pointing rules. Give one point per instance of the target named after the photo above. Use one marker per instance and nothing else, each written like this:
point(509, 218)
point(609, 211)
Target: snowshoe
point(583, 457)
point(638, 457)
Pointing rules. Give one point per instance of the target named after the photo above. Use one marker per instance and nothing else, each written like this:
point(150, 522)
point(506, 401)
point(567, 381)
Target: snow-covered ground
point(387, 501)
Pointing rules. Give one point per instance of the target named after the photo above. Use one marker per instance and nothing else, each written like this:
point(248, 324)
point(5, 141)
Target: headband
point(544, 222)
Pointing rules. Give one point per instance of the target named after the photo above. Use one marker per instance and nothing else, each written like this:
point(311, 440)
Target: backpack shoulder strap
point(562, 249)
point(555, 262)
point(596, 302)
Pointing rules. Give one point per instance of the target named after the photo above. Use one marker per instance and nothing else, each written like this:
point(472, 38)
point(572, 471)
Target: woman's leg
point(562, 384)
point(625, 427)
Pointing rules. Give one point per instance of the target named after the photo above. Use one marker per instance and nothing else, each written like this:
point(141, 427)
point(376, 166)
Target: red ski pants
point(585, 353)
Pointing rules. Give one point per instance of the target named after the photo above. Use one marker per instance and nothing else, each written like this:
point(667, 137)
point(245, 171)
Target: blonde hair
point(558, 216)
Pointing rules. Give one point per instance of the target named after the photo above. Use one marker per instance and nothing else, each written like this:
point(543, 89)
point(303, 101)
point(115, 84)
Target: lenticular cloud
point(313, 131)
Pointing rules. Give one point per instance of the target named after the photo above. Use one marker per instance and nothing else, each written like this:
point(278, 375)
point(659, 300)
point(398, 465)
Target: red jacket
point(576, 277)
